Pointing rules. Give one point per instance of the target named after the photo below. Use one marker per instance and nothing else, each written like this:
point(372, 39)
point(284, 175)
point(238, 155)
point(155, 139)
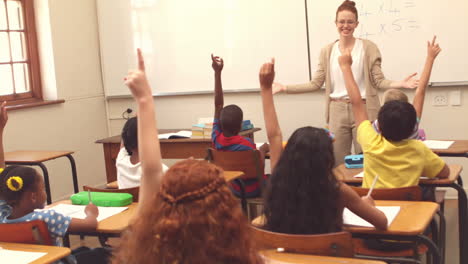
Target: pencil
point(372, 187)
point(89, 197)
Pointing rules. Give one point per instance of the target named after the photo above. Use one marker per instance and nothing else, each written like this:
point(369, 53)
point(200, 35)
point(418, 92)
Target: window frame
point(32, 49)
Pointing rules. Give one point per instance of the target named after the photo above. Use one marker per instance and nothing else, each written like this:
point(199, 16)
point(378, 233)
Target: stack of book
point(203, 131)
point(197, 131)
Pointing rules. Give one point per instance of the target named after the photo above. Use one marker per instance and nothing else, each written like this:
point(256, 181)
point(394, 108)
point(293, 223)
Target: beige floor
point(451, 216)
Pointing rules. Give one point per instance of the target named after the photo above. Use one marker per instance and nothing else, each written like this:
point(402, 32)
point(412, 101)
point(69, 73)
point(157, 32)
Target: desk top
point(53, 253)
point(274, 257)
point(26, 156)
point(458, 147)
point(413, 219)
point(347, 175)
point(115, 224)
point(116, 139)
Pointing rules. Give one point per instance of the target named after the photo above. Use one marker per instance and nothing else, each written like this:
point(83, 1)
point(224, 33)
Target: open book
point(77, 211)
point(349, 218)
point(180, 134)
point(438, 144)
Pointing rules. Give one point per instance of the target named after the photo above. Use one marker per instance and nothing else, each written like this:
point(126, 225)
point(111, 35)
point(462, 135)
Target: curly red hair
point(194, 218)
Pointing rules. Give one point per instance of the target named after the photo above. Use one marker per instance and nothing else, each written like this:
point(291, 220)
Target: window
point(19, 63)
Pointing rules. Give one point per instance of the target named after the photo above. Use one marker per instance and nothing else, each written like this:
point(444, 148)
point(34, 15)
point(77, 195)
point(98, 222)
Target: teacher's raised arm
point(366, 70)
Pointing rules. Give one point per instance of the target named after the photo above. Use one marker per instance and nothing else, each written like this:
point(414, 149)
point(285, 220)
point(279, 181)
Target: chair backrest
point(249, 162)
point(412, 193)
point(134, 191)
point(337, 244)
point(33, 232)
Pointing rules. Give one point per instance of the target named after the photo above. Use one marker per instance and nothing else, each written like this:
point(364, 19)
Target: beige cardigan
point(373, 78)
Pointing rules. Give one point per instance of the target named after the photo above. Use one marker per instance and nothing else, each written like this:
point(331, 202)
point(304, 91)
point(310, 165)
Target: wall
point(77, 123)
point(295, 110)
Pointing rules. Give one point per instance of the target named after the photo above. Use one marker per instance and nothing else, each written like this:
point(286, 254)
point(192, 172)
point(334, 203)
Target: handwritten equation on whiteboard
point(386, 18)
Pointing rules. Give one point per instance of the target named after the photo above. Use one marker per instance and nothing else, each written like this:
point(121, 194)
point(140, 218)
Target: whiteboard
point(401, 28)
point(178, 36)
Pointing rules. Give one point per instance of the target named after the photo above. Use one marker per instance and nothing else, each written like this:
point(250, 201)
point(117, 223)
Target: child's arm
point(3, 121)
point(148, 142)
point(433, 50)
point(359, 109)
point(363, 207)
point(444, 173)
point(217, 64)
point(266, 76)
point(89, 223)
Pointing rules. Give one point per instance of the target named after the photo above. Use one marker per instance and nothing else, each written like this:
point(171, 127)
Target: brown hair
point(194, 218)
point(349, 6)
point(394, 95)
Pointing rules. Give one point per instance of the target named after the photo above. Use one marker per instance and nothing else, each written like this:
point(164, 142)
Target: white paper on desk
point(359, 175)
point(19, 257)
point(77, 211)
point(349, 218)
point(180, 134)
point(438, 144)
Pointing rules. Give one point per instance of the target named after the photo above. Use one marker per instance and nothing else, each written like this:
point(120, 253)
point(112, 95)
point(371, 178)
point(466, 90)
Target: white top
point(338, 88)
point(128, 174)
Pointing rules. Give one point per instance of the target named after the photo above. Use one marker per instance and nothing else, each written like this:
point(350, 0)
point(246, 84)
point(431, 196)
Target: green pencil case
point(107, 199)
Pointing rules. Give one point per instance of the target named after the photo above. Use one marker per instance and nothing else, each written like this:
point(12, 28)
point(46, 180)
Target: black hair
point(302, 195)
point(396, 120)
point(130, 135)
point(29, 179)
point(231, 119)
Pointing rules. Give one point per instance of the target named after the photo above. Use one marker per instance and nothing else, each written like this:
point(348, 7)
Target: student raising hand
point(136, 80)
point(433, 48)
point(267, 74)
point(217, 63)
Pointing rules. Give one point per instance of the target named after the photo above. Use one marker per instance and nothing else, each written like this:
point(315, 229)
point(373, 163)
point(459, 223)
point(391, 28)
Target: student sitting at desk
point(303, 195)
point(187, 216)
point(398, 161)
point(226, 127)
point(433, 50)
point(22, 191)
point(128, 161)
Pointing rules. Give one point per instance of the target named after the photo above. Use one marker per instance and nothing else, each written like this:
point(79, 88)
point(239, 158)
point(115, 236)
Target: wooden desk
point(53, 253)
point(408, 225)
point(36, 158)
point(181, 148)
point(459, 148)
point(275, 257)
point(232, 175)
point(346, 175)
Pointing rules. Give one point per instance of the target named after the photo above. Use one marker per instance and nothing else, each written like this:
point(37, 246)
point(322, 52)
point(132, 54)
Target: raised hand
point(433, 48)
point(217, 63)
point(136, 80)
point(345, 59)
point(3, 115)
point(267, 75)
point(410, 82)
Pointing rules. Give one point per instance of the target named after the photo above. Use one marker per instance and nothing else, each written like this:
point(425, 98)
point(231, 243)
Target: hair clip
point(10, 185)
point(329, 133)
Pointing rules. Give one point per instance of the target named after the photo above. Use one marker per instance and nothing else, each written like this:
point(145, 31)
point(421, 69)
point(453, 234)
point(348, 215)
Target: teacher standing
point(367, 73)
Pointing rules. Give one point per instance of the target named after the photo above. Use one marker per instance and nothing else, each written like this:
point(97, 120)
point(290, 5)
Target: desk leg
point(46, 181)
point(462, 220)
point(74, 176)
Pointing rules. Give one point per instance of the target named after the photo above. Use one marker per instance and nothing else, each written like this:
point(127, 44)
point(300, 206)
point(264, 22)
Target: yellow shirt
point(398, 164)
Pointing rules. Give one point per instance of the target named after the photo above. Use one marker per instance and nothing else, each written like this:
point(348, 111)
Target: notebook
point(77, 211)
point(180, 134)
point(19, 257)
point(349, 218)
point(438, 144)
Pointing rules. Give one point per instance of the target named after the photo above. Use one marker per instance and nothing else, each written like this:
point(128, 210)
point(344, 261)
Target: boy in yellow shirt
point(398, 161)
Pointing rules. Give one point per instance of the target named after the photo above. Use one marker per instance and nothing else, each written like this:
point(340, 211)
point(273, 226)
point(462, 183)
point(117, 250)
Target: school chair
point(249, 162)
point(134, 191)
point(412, 193)
point(33, 232)
point(337, 244)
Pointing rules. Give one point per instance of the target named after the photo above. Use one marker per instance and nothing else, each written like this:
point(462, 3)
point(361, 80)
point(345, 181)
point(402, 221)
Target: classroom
point(72, 70)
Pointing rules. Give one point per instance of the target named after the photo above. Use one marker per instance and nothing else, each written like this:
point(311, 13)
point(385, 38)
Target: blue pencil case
point(354, 161)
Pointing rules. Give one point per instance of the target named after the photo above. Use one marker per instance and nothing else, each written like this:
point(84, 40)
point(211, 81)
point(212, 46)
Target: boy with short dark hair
point(398, 161)
point(226, 127)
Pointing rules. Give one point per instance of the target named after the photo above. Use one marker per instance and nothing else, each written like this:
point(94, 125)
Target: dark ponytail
point(14, 181)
